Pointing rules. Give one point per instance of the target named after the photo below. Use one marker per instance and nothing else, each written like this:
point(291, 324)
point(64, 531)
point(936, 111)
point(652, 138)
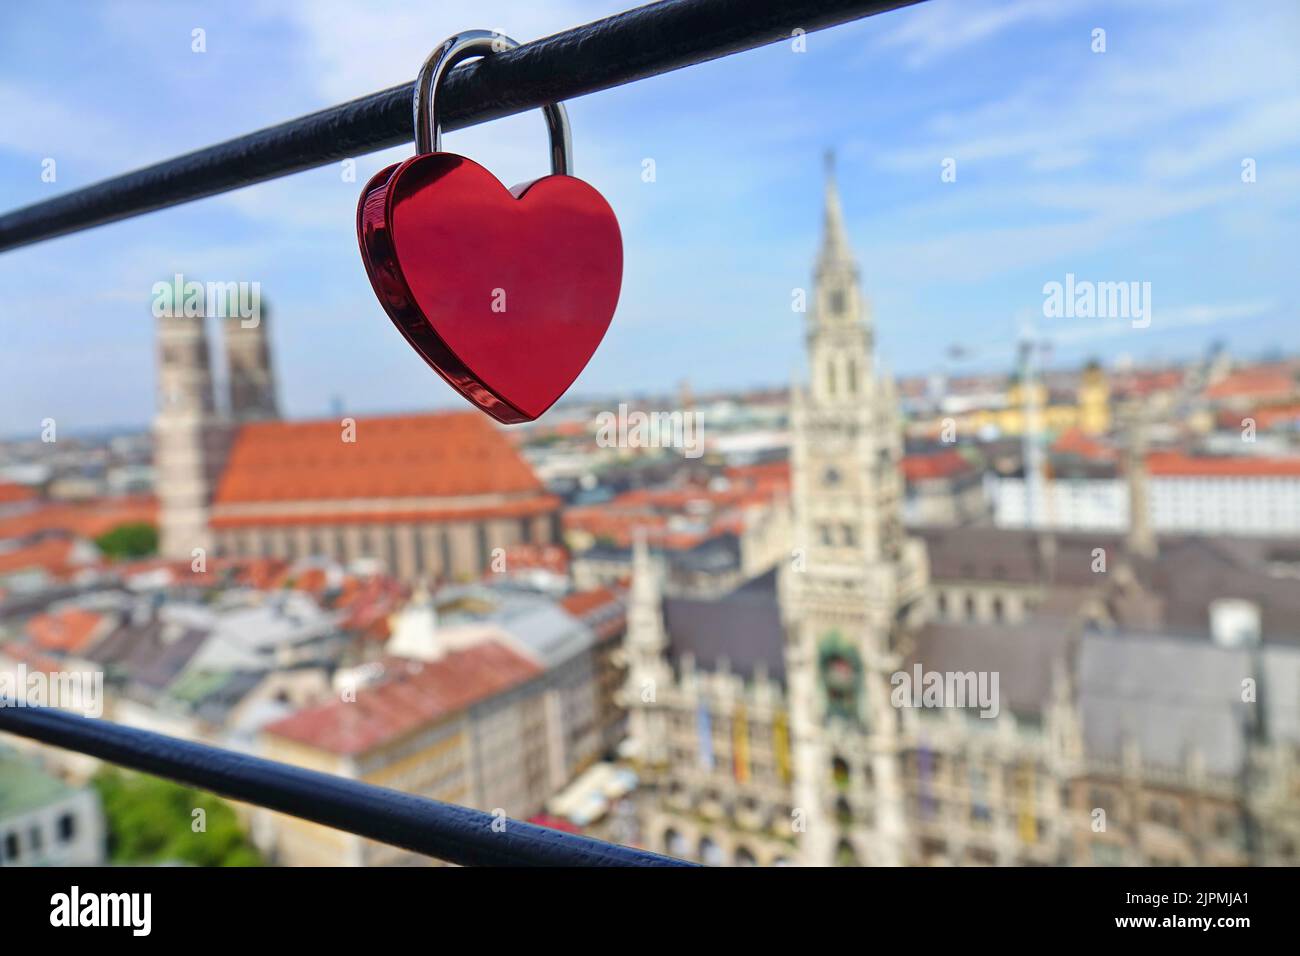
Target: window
point(840, 772)
point(981, 856)
point(845, 855)
point(843, 812)
point(67, 827)
point(1164, 812)
point(1100, 799)
point(675, 843)
point(710, 852)
point(445, 557)
point(11, 846)
point(392, 549)
point(417, 541)
point(1225, 826)
point(35, 837)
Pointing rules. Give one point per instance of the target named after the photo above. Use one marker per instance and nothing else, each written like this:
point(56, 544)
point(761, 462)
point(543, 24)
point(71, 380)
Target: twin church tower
point(193, 432)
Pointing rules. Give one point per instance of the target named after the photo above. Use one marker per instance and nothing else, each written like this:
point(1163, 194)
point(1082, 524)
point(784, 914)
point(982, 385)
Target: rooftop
point(25, 786)
point(416, 695)
point(443, 455)
point(743, 628)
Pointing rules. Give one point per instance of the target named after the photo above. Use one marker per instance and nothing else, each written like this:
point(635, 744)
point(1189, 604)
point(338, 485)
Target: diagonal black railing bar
point(629, 46)
point(446, 831)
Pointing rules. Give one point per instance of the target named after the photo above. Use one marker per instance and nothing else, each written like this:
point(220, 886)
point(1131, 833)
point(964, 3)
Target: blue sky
point(1116, 166)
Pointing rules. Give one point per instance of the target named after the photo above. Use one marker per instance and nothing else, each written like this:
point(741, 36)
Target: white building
point(1187, 495)
point(44, 821)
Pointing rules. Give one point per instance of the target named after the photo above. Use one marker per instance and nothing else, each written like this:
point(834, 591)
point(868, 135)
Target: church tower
point(648, 673)
point(190, 441)
point(248, 367)
point(854, 583)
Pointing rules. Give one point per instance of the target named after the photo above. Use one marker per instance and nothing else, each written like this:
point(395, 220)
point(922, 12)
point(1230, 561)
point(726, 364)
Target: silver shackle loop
point(462, 46)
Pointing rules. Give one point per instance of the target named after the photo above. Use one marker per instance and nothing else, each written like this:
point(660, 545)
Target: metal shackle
point(462, 46)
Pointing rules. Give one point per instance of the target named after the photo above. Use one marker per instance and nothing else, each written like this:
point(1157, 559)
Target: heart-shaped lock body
point(505, 293)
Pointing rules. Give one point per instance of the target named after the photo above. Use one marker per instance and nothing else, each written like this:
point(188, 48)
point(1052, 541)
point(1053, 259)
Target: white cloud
point(937, 29)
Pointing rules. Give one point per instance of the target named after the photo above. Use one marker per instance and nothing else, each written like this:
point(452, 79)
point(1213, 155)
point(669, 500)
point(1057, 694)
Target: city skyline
point(1115, 166)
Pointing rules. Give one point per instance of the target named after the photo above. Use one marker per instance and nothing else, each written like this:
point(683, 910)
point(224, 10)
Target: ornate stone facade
point(794, 743)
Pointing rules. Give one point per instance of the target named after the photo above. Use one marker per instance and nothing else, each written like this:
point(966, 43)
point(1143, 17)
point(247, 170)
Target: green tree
point(154, 821)
point(133, 540)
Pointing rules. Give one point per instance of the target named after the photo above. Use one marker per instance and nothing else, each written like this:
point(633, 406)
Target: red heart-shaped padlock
point(506, 294)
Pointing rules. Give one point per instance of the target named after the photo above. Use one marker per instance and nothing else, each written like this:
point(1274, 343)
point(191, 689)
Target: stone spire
point(645, 610)
point(835, 251)
point(838, 303)
point(647, 671)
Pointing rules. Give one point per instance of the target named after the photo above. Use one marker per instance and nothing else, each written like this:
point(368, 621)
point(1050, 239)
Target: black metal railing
point(620, 49)
point(443, 830)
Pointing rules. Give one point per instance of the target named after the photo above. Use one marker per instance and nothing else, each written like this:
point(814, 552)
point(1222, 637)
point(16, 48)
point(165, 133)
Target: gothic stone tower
point(248, 365)
point(190, 441)
point(648, 673)
point(854, 584)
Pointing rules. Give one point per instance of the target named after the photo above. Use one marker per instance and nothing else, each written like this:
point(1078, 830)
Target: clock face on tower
point(841, 677)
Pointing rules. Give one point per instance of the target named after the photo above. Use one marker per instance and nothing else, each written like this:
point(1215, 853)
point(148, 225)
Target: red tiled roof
point(369, 603)
point(942, 464)
point(1177, 464)
point(711, 511)
point(87, 520)
point(51, 555)
point(527, 557)
point(1148, 382)
point(21, 653)
point(773, 475)
point(1074, 442)
point(581, 603)
point(12, 494)
point(524, 508)
point(1265, 416)
point(68, 631)
point(406, 456)
point(1266, 382)
point(419, 694)
point(601, 609)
